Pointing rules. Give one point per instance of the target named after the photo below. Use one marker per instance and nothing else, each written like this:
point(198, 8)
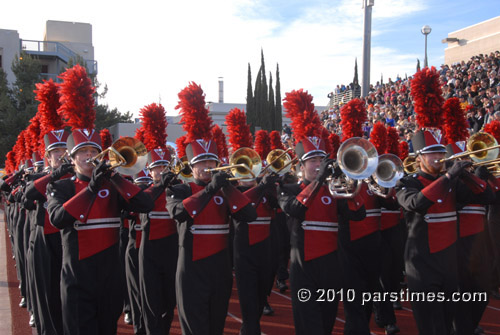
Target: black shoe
point(397, 305)
point(22, 304)
point(32, 321)
point(495, 294)
point(391, 329)
point(268, 311)
point(127, 318)
point(479, 331)
point(281, 285)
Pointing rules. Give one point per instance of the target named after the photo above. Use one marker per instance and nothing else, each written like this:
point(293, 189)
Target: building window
point(45, 69)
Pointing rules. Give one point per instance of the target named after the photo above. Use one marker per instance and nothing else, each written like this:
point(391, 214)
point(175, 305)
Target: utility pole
point(367, 37)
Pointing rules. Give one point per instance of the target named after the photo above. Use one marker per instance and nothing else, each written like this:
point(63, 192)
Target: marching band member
point(314, 218)
point(86, 208)
point(47, 245)
point(143, 180)
point(159, 239)
point(429, 200)
point(359, 242)
point(202, 210)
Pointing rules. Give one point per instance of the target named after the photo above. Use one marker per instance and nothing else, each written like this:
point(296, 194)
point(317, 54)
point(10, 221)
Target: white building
point(62, 41)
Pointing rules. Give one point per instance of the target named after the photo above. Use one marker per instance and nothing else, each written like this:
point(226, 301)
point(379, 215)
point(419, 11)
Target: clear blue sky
point(150, 50)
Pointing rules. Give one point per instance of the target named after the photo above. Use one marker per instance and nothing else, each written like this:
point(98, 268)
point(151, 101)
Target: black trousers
point(392, 267)
point(203, 290)
point(432, 273)
point(122, 247)
point(282, 233)
point(314, 316)
point(91, 291)
point(133, 286)
point(157, 266)
point(473, 277)
point(31, 293)
point(47, 266)
point(254, 276)
point(19, 251)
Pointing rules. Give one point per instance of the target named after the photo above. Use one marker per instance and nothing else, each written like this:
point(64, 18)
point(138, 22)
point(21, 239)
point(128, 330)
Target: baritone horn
point(278, 161)
point(244, 163)
point(127, 156)
point(181, 168)
point(358, 160)
point(389, 171)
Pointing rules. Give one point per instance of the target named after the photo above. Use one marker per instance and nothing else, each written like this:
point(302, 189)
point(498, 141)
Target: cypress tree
point(270, 109)
point(278, 119)
point(250, 110)
point(264, 117)
point(257, 102)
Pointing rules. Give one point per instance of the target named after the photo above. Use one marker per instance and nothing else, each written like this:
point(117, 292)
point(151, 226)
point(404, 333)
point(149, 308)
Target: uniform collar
point(82, 177)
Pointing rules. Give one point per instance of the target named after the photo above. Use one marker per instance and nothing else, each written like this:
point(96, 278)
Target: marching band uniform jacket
point(314, 218)
point(91, 283)
point(430, 206)
point(204, 278)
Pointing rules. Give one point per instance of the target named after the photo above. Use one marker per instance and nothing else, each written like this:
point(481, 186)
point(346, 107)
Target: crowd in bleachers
point(475, 82)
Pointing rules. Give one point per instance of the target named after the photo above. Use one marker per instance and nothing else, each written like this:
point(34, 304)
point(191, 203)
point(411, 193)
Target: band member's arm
point(37, 189)
point(133, 198)
point(175, 197)
point(412, 197)
point(474, 190)
point(287, 199)
point(58, 194)
point(240, 206)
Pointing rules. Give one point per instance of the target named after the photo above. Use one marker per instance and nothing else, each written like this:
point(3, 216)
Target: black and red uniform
point(92, 287)
point(429, 205)
point(47, 260)
point(314, 220)
point(204, 278)
point(359, 253)
point(253, 260)
point(157, 264)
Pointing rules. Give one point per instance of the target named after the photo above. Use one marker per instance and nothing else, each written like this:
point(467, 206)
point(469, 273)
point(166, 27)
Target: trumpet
point(244, 163)
point(358, 160)
point(127, 156)
point(64, 158)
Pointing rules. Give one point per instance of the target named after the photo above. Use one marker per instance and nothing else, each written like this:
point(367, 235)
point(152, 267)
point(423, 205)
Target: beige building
point(62, 41)
point(481, 38)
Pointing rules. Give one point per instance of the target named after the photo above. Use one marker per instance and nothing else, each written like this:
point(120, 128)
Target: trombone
point(410, 164)
point(481, 147)
point(244, 163)
point(127, 155)
point(278, 161)
point(181, 168)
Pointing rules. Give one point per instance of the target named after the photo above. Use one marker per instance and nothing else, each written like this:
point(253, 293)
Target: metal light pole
point(367, 34)
point(426, 30)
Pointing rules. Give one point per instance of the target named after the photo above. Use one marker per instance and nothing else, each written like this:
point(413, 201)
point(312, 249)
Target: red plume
point(76, 97)
point(300, 109)
point(10, 162)
point(28, 149)
point(334, 140)
point(404, 150)
point(180, 142)
point(48, 96)
point(20, 148)
point(325, 135)
point(262, 143)
point(427, 98)
point(194, 114)
point(220, 140)
point(154, 122)
point(393, 141)
point(455, 124)
point(378, 137)
point(238, 130)
point(139, 134)
point(106, 139)
point(353, 115)
point(493, 128)
point(35, 141)
point(275, 138)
